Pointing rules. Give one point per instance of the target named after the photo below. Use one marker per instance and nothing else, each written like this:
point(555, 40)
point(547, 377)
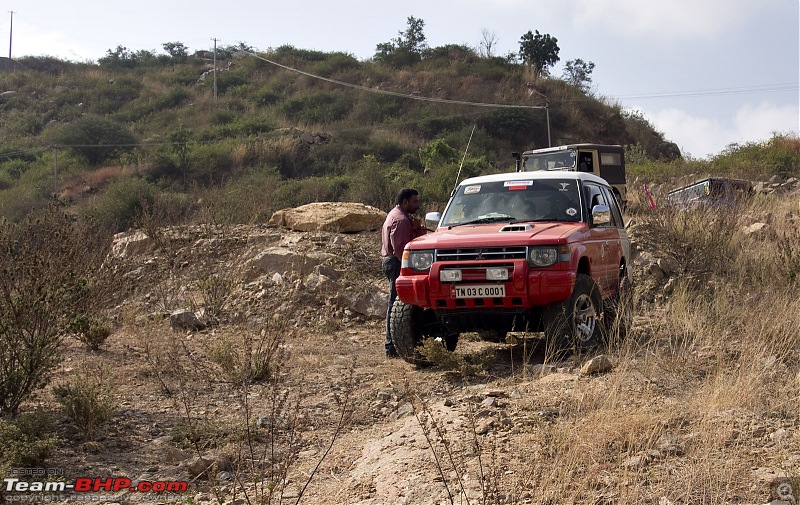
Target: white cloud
point(668, 20)
point(701, 137)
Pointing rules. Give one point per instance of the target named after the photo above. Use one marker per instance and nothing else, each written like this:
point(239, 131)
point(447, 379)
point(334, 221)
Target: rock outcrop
point(330, 216)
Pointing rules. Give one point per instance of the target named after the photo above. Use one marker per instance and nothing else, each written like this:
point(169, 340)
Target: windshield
point(559, 160)
point(514, 201)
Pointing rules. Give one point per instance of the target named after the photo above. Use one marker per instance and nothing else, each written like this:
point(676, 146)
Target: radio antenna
point(464, 157)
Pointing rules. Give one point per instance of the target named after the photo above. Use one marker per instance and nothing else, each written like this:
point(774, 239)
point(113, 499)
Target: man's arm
point(400, 234)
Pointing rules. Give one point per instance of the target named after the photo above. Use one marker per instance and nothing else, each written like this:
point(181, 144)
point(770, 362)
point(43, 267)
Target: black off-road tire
point(575, 324)
point(409, 325)
point(618, 317)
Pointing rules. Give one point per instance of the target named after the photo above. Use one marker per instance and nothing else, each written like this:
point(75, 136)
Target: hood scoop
point(517, 227)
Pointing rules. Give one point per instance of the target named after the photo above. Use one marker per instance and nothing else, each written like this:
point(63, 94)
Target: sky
point(705, 73)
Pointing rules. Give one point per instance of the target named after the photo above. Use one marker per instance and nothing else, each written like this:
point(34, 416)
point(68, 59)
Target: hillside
point(131, 129)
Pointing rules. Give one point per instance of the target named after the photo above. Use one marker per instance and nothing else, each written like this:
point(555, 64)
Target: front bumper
point(526, 287)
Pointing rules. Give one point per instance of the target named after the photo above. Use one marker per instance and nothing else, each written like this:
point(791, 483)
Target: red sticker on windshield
point(517, 185)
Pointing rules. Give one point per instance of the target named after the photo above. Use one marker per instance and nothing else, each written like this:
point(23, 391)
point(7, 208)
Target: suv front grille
point(486, 253)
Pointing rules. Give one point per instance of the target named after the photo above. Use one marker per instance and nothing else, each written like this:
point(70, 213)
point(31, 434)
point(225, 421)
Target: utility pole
point(215, 68)
point(10, 34)
point(547, 112)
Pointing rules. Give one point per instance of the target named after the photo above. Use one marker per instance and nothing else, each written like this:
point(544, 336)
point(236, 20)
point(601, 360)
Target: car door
point(603, 258)
point(617, 242)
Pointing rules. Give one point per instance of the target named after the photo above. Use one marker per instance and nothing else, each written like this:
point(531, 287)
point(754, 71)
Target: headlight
point(418, 260)
point(542, 256)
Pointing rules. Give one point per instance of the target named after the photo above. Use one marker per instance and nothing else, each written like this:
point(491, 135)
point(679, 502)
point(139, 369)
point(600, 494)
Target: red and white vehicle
point(524, 251)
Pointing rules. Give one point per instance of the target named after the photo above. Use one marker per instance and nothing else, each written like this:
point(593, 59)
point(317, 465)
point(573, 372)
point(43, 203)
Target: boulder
point(201, 464)
point(131, 243)
point(281, 259)
point(330, 216)
point(598, 364)
point(370, 304)
point(185, 319)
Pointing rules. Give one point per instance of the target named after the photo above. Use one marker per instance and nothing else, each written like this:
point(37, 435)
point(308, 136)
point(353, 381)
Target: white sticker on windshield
point(571, 212)
point(564, 186)
point(471, 190)
point(518, 183)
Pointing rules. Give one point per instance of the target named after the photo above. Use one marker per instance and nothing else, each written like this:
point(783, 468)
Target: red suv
point(526, 251)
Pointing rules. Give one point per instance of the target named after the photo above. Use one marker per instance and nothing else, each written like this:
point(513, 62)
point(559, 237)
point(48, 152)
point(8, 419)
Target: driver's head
point(408, 200)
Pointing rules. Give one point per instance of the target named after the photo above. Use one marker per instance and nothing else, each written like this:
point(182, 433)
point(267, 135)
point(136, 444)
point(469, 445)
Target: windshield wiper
point(487, 219)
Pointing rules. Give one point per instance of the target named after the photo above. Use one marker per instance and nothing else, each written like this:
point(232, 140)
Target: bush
point(97, 139)
point(118, 206)
point(25, 441)
point(90, 330)
point(87, 400)
point(47, 269)
point(318, 108)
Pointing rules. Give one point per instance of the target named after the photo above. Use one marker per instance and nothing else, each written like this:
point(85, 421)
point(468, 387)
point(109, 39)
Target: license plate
point(488, 291)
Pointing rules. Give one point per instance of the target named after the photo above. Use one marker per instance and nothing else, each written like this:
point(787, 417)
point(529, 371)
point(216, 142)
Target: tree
point(407, 48)
point(578, 73)
point(121, 57)
point(177, 51)
point(488, 43)
point(539, 51)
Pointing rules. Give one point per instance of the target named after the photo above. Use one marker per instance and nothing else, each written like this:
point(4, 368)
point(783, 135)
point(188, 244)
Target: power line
point(760, 88)
point(400, 95)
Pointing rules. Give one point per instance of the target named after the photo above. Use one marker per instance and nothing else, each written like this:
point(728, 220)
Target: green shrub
point(97, 139)
point(334, 63)
point(90, 330)
point(267, 96)
point(118, 206)
point(318, 108)
point(780, 155)
point(87, 400)
point(379, 109)
point(26, 441)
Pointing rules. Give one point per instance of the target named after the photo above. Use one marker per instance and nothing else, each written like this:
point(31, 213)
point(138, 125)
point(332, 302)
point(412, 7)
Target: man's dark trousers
point(391, 268)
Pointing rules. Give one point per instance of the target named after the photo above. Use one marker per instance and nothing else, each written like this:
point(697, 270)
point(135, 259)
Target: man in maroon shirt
point(398, 230)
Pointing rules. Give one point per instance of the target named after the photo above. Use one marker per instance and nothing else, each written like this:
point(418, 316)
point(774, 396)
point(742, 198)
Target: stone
point(174, 455)
point(669, 287)
point(404, 410)
point(779, 436)
point(185, 319)
point(318, 283)
point(757, 229)
point(341, 217)
point(637, 462)
point(656, 271)
point(484, 426)
point(598, 364)
point(201, 464)
point(489, 402)
point(282, 259)
point(669, 266)
point(131, 243)
point(540, 370)
point(370, 304)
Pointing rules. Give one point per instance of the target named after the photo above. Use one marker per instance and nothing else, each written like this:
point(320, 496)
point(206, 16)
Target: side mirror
point(432, 220)
point(601, 215)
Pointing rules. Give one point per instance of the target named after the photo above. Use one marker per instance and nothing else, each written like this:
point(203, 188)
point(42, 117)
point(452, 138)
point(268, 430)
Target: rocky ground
point(333, 421)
